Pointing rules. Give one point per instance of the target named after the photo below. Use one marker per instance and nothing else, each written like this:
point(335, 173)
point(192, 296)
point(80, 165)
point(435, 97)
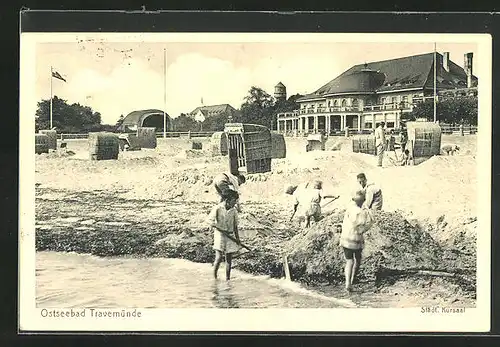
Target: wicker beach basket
point(218, 142)
point(315, 145)
point(103, 146)
point(147, 137)
point(364, 144)
point(196, 145)
point(278, 146)
point(41, 143)
point(249, 147)
point(52, 135)
point(424, 139)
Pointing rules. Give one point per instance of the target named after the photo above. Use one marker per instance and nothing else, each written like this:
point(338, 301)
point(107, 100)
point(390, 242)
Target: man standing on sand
point(380, 142)
point(403, 138)
point(228, 181)
point(373, 195)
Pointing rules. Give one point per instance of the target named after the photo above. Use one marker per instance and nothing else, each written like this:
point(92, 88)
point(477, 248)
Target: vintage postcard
point(255, 182)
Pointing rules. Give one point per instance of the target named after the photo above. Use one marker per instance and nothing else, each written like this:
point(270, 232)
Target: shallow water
point(80, 280)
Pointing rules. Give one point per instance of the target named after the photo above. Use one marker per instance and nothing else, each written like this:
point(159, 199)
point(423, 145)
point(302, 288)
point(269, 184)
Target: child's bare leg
point(357, 263)
point(348, 273)
point(308, 221)
point(218, 260)
point(229, 259)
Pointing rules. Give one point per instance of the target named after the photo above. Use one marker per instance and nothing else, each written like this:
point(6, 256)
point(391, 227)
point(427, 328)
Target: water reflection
point(222, 294)
point(78, 280)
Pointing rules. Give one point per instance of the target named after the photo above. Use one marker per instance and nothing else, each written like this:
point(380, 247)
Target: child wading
point(357, 221)
point(223, 219)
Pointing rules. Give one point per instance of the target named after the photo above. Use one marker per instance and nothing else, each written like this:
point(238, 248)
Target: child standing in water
point(223, 219)
point(357, 221)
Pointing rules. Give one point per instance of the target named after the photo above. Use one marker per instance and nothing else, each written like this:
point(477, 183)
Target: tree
point(461, 110)
point(74, 118)
point(185, 123)
point(258, 108)
point(215, 122)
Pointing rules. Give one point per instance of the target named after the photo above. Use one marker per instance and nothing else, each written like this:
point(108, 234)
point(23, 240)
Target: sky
point(117, 78)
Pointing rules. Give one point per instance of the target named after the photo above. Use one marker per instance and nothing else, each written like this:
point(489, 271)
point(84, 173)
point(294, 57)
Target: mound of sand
point(393, 245)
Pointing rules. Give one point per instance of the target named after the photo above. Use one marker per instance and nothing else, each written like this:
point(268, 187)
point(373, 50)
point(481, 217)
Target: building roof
point(280, 85)
point(137, 117)
point(213, 110)
point(402, 73)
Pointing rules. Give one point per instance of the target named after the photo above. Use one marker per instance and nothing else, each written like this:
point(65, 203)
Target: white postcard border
point(367, 320)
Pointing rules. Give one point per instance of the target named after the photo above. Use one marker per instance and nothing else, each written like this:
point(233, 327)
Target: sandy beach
point(153, 203)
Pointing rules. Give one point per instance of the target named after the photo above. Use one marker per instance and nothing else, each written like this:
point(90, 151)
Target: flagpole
point(164, 93)
point(201, 123)
point(435, 82)
point(50, 97)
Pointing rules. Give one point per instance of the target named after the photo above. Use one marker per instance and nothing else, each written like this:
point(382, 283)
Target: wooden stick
point(287, 268)
point(329, 202)
point(234, 240)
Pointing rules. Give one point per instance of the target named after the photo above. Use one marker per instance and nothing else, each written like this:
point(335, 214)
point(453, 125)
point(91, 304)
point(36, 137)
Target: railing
point(174, 134)
point(169, 134)
point(423, 99)
point(329, 109)
point(381, 107)
point(456, 129)
point(73, 136)
point(287, 115)
point(446, 129)
point(292, 133)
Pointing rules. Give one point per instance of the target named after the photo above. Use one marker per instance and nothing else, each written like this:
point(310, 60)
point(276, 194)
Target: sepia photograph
point(278, 182)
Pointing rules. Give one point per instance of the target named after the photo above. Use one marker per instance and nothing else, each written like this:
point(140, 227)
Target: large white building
point(367, 94)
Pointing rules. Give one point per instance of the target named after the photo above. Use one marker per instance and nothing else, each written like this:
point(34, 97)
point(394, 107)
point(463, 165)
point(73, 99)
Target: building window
point(355, 103)
point(393, 100)
point(382, 100)
point(368, 125)
point(336, 103)
point(344, 102)
point(405, 98)
point(390, 124)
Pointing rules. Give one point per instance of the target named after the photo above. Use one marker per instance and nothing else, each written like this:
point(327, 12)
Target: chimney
point(446, 61)
point(468, 68)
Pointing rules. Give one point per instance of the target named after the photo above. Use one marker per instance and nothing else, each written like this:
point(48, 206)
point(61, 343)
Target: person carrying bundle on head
point(380, 142)
point(403, 138)
point(228, 181)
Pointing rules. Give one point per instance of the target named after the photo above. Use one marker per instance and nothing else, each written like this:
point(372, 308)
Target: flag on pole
point(57, 75)
point(202, 101)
